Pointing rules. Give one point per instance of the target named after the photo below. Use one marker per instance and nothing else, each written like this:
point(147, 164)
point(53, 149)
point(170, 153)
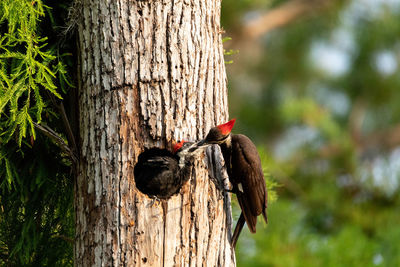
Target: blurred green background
point(317, 88)
point(314, 83)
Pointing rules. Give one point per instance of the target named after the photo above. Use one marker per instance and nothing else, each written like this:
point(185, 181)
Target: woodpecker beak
point(193, 147)
point(200, 146)
point(201, 143)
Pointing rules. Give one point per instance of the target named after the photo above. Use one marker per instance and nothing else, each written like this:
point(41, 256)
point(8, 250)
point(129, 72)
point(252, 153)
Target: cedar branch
point(58, 139)
point(281, 16)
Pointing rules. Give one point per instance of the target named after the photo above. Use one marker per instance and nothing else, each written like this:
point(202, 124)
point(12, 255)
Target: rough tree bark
point(151, 72)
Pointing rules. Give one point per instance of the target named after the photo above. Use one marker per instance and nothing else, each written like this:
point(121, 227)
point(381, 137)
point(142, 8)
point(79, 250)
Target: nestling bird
point(162, 173)
point(245, 172)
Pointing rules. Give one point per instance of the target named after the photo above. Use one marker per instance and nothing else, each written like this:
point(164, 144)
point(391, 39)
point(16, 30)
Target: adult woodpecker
point(245, 172)
point(162, 173)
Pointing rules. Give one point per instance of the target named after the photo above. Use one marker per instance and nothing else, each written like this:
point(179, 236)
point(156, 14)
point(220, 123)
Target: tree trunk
point(151, 72)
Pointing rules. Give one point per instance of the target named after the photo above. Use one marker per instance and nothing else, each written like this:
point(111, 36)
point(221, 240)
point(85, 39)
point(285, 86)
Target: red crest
point(226, 128)
point(178, 146)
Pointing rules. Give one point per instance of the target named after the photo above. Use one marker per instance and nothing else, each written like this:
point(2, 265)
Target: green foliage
point(36, 206)
point(36, 197)
point(27, 68)
point(230, 51)
point(321, 96)
point(290, 236)
point(270, 183)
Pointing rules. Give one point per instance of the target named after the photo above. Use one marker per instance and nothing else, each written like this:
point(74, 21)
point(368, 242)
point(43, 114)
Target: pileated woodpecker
point(245, 174)
point(162, 173)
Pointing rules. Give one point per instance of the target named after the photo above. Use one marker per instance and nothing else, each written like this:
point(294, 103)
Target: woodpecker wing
point(247, 176)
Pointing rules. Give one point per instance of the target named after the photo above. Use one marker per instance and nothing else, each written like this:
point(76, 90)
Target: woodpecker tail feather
point(264, 213)
point(238, 229)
